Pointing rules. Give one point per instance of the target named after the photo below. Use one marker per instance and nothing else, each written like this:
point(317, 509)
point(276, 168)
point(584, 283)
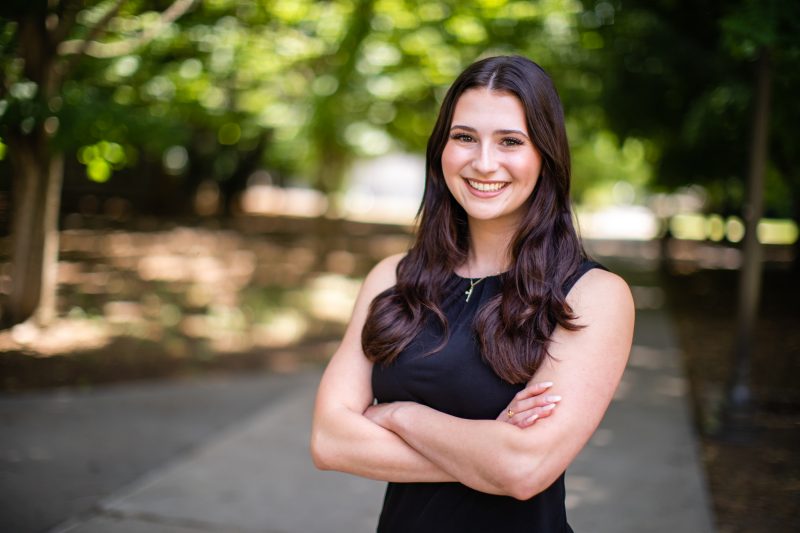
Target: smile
point(486, 187)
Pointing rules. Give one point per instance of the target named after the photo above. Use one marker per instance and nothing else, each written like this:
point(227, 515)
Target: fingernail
point(546, 384)
point(548, 407)
point(553, 398)
point(531, 419)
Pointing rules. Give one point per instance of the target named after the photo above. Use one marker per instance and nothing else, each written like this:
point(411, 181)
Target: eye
point(511, 141)
point(463, 137)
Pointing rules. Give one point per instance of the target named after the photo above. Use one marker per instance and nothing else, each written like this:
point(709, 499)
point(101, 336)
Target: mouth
point(486, 186)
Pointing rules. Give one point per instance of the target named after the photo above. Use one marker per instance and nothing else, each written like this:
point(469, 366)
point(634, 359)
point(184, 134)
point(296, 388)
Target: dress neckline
point(463, 278)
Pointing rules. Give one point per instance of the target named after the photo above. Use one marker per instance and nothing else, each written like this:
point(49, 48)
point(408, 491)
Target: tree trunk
point(34, 230)
point(739, 407)
point(37, 174)
point(46, 312)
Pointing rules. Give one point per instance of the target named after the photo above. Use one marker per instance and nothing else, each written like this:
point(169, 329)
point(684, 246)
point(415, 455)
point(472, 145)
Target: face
point(489, 162)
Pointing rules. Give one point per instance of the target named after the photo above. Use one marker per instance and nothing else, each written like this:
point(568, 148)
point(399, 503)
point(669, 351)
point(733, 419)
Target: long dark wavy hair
point(513, 327)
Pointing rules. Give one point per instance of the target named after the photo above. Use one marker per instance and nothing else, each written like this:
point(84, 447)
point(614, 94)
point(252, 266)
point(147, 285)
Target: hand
point(381, 413)
point(529, 405)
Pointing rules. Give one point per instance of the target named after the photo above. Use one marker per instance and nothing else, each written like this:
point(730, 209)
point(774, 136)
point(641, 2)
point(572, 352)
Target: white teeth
point(486, 187)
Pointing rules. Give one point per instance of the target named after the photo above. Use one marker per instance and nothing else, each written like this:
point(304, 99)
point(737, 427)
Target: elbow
point(522, 486)
point(320, 452)
point(321, 462)
point(524, 490)
point(526, 481)
point(331, 443)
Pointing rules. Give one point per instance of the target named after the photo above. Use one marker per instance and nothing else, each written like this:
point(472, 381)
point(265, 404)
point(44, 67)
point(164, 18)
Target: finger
point(527, 399)
point(520, 417)
point(529, 416)
point(537, 401)
point(524, 420)
point(505, 416)
point(511, 415)
point(545, 410)
point(533, 389)
point(529, 421)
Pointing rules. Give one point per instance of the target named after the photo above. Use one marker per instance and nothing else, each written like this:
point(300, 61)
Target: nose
point(485, 161)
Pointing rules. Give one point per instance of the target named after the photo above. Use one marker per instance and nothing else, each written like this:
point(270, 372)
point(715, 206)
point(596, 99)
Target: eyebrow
point(501, 132)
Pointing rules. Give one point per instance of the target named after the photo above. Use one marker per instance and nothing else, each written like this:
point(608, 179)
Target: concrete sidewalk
point(639, 473)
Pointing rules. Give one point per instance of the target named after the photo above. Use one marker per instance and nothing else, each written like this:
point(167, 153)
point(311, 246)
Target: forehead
point(490, 109)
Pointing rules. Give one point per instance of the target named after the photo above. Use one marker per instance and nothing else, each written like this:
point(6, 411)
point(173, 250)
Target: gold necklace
point(472, 284)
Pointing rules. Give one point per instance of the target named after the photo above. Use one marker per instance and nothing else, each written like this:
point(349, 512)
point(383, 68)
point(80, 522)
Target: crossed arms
point(409, 442)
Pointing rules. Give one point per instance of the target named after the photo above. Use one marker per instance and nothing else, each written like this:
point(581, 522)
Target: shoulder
point(387, 267)
point(601, 294)
point(382, 276)
point(598, 282)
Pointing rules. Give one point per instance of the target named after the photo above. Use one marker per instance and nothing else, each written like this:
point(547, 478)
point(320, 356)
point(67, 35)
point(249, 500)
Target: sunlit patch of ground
point(64, 335)
point(272, 294)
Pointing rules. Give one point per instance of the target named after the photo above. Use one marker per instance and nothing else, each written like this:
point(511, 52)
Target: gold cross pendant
point(472, 284)
point(468, 292)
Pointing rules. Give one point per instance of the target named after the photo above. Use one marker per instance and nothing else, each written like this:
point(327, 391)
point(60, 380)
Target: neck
point(489, 247)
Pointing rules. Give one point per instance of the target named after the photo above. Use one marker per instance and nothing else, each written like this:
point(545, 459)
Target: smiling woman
point(457, 353)
point(489, 156)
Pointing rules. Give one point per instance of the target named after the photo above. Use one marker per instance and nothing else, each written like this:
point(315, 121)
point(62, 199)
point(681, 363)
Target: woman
point(495, 293)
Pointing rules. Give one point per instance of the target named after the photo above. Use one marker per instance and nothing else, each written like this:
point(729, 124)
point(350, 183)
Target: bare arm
point(586, 368)
point(342, 438)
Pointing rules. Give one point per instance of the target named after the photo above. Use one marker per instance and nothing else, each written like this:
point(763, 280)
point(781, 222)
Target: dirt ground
point(755, 484)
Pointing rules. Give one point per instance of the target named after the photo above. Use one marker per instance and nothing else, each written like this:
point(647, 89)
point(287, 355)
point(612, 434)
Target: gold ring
point(510, 413)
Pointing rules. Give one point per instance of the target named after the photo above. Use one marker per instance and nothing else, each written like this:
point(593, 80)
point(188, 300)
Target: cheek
point(527, 168)
point(451, 161)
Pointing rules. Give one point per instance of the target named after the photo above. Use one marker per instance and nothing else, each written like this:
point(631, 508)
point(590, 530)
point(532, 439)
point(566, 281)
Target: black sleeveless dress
point(456, 381)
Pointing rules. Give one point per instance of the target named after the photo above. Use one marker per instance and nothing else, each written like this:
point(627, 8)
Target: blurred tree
point(757, 30)
point(38, 57)
point(699, 80)
point(681, 75)
point(376, 86)
point(215, 90)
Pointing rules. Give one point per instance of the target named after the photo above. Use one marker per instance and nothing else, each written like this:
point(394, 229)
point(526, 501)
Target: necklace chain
point(472, 284)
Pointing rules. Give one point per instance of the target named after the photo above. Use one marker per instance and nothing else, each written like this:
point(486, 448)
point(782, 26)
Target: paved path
point(63, 450)
point(639, 473)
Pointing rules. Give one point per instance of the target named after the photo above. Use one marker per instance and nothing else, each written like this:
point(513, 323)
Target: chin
point(486, 216)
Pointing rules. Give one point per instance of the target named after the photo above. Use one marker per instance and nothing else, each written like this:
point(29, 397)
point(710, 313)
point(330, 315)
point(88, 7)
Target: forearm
point(346, 441)
point(487, 455)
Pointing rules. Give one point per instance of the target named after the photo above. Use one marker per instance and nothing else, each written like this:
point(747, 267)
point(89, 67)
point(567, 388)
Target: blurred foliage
point(652, 90)
point(681, 74)
point(312, 84)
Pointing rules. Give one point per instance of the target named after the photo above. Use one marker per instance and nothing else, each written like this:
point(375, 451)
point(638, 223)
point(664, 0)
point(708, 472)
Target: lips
point(486, 186)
